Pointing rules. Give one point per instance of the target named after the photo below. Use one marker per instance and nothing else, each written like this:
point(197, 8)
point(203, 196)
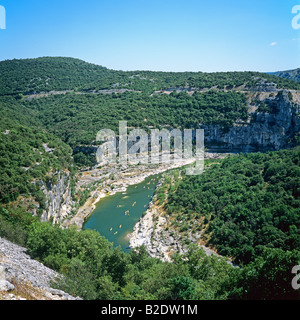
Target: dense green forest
point(247, 205)
point(69, 116)
point(94, 270)
point(249, 202)
point(46, 74)
point(28, 154)
point(78, 114)
point(76, 118)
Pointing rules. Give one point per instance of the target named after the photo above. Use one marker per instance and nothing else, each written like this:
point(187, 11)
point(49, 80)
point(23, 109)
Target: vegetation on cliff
point(243, 205)
point(69, 116)
point(28, 156)
point(94, 270)
point(247, 206)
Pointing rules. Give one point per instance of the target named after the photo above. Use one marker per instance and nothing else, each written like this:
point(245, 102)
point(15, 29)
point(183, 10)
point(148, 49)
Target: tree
point(180, 288)
point(268, 277)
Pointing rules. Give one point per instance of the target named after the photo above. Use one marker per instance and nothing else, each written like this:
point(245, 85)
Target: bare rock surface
point(19, 274)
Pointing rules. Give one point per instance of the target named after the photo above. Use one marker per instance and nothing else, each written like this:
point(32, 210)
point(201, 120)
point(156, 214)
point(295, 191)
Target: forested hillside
point(76, 119)
point(46, 74)
point(248, 211)
point(29, 154)
point(77, 108)
point(293, 75)
point(246, 206)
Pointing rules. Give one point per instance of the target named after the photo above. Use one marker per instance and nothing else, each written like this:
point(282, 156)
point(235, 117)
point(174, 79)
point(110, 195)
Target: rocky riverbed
point(115, 180)
point(161, 241)
point(153, 232)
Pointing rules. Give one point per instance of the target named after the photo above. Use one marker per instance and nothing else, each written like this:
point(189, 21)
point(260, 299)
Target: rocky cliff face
point(27, 277)
point(290, 74)
point(58, 198)
point(264, 131)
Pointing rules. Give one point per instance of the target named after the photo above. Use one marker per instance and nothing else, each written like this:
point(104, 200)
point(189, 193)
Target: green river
point(116, 215)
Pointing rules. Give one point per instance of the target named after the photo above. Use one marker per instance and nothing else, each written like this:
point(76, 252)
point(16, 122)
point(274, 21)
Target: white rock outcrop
point(17, 267)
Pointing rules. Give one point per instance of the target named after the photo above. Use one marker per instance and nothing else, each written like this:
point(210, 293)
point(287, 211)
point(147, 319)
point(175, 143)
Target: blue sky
point(189, 35)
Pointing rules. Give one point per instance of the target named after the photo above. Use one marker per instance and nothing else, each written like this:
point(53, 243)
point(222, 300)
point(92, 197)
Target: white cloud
point(273, 44)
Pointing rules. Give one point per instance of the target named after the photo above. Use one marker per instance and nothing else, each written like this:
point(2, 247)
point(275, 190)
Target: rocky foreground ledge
point(22, 278)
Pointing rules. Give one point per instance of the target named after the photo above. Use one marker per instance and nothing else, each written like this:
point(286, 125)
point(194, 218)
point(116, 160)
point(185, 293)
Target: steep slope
point(41, 132)
point(240, 205)
point(28, 278)
point(293, 75)
point(275, 127)
point(36, 167)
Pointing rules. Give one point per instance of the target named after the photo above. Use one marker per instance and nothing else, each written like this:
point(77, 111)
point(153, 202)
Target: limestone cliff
point(263, 131)
point(58, 198)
